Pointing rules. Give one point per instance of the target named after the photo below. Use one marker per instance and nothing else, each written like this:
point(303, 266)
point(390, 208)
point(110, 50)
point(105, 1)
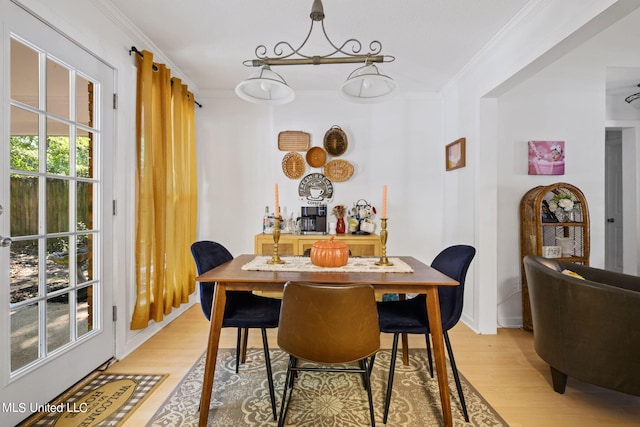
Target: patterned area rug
point(319, 399)
point(103, 400)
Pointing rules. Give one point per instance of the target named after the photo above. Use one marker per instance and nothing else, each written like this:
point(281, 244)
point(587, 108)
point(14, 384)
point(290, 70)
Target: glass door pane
point(24, 74)
point(57, 88)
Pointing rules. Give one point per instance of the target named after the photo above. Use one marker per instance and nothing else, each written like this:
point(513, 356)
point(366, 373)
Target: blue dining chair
point(410, 316)
point(243, 309)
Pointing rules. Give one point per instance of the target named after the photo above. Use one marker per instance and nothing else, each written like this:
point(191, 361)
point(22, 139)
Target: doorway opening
point(621, 200)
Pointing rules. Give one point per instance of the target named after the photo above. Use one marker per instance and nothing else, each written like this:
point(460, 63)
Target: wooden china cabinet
point(548, 229)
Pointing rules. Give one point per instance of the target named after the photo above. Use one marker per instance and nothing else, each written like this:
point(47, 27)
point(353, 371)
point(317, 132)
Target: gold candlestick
point(275, 259)
point(384, 261)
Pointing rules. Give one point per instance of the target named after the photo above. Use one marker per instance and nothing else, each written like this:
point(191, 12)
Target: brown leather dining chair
point(327, 325)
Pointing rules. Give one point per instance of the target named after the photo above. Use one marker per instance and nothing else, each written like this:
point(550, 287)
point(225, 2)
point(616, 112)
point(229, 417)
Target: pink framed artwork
point(546, 157)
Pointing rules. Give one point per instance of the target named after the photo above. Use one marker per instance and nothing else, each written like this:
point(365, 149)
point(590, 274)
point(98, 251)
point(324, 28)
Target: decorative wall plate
point(293, 165)
point(335, 141)
point(315, 189)
point(338, 170)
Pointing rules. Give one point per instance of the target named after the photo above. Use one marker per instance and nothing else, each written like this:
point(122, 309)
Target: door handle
point(611, 220)
point(4, 241)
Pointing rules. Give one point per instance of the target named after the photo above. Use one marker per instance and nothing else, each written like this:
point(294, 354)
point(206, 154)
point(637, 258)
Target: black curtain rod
point(137, 52)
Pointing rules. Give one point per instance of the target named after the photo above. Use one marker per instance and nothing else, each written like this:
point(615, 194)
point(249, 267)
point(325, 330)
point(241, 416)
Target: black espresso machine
point(313, 219)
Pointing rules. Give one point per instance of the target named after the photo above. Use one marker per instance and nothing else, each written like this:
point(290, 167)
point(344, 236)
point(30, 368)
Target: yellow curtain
point(166, 193)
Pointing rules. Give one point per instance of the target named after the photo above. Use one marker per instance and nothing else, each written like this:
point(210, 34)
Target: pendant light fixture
point(634, 100)
point(265, 87)
point(364, 85)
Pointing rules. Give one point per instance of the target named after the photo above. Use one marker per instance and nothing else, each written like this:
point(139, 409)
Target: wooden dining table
point(231, 277)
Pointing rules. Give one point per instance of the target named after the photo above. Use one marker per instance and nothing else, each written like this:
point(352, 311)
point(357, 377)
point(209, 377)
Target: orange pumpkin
point(329, 253)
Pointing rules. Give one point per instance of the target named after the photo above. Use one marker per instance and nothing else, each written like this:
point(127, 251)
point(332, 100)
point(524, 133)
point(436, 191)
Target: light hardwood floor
point(504, 368)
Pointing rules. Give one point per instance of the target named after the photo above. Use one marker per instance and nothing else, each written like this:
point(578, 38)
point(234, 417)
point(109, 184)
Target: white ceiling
point(430, 39)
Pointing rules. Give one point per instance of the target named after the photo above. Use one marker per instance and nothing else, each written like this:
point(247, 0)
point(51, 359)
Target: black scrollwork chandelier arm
point(285, 54)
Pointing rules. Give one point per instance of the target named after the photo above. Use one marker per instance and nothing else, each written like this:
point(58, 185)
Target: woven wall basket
point(338, 170)
point(335, 141)
point(294, 140)
point(316, 157)
point(293, 165)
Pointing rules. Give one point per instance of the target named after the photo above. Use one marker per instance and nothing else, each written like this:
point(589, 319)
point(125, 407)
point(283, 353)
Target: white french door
point(56, 263)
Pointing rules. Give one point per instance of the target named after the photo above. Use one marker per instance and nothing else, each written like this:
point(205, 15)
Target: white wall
point(565, 101)
point(396, 143)
point(546, 85)
point(571, 109)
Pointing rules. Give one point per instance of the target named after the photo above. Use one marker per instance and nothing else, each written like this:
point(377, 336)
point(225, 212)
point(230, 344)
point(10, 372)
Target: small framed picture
point(455, 154)
point(546, 157)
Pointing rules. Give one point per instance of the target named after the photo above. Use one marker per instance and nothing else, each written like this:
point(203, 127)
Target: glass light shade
point(265, 87)
point(366, 85)
point(634, 100)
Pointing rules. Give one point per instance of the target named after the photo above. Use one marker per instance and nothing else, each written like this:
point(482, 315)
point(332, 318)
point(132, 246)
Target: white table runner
point(354, 265)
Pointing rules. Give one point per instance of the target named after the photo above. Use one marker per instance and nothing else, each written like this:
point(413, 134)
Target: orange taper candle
point(384, 201)
point(277, 202)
